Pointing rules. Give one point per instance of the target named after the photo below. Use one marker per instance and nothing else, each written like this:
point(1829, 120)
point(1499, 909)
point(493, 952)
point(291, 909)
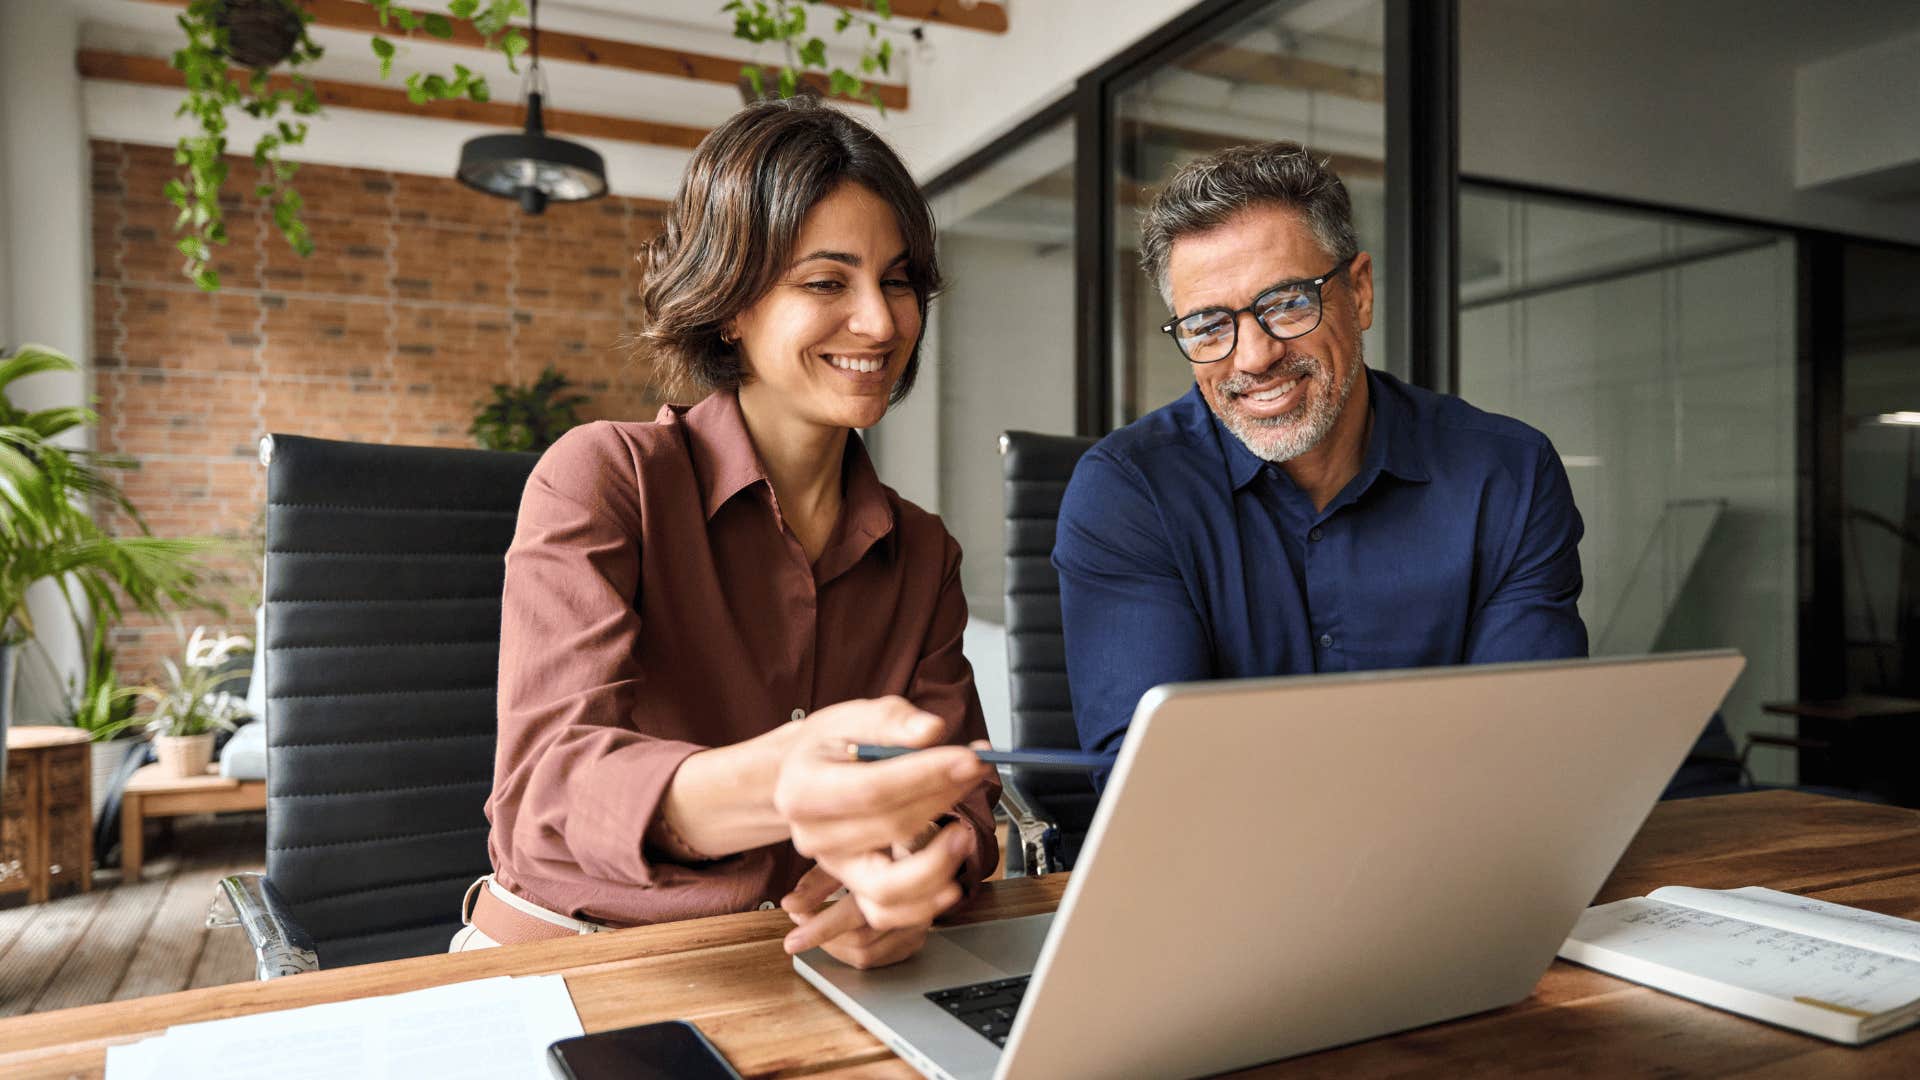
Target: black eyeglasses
point(1290, 309)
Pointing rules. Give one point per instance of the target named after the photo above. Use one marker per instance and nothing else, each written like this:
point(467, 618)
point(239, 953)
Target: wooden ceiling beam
point(578, 49)
point(990, 17)
point(1348, 166)
point(1238, 64)
point(154, 71)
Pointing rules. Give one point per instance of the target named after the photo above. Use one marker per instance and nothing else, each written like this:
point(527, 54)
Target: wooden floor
point(120, 942)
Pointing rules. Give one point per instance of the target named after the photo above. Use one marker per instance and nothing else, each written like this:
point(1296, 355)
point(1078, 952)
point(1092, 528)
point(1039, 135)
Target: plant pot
point(260, 33)
point(182, 756)
point(107, 758)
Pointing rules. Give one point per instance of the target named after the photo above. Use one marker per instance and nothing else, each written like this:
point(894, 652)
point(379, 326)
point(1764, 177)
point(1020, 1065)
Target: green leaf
point(463, 9)
point(384, 50)
point(814, 53)
point(883, 8)
point(208, 280)
point(439, 27)
point(789, 82)
point(886, 56)
point(31, 360)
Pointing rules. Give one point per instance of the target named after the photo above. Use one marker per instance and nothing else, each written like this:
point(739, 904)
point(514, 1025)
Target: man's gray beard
point(1283, 438)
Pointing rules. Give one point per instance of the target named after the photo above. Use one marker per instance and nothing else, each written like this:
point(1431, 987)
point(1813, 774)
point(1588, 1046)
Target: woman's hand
point(859, 821)
point(841, 929)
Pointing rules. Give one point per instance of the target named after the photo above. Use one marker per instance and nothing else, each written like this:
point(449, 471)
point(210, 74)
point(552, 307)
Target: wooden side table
point(150, 794)
point(46, 815)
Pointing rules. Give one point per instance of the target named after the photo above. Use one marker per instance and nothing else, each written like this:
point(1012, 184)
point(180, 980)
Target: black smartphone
point(673, 1050)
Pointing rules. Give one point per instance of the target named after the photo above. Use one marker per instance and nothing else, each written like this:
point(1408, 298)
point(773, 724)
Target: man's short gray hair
point(1208, 192)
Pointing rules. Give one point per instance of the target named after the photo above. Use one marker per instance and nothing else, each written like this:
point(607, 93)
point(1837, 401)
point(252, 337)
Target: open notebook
point(1826, 969)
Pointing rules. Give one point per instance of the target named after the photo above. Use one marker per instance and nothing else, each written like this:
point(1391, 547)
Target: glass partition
point(1658, 354)
point(1306, 71)
point(1001, 340)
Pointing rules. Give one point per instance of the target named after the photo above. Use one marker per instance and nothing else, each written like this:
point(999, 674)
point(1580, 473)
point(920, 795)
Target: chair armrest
point(281, 946)
point(1038, 833)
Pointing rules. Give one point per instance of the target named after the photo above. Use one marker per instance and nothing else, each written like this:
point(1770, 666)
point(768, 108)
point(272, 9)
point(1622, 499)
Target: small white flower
point(205, 653)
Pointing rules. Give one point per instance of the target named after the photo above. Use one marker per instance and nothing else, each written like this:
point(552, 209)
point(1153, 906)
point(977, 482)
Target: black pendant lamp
point(533, 167)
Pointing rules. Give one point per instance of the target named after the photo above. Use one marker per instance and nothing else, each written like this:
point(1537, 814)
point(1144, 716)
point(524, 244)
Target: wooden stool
point(46, 814)
point(150, 794)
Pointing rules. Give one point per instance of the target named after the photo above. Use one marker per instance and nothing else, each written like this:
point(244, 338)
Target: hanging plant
point(232, 47)
point(786, 22)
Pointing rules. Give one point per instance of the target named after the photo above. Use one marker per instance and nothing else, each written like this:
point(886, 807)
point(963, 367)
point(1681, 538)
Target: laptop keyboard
point(987, 1007)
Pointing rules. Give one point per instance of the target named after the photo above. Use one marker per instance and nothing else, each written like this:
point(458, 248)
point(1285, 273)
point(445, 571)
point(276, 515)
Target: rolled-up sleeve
point(942, 684)
point(576, 781)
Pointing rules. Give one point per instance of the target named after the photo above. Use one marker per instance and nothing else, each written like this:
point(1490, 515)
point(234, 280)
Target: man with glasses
point(1296, 512)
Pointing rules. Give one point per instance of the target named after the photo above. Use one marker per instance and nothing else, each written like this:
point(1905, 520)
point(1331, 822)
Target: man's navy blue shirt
point(1183, 556)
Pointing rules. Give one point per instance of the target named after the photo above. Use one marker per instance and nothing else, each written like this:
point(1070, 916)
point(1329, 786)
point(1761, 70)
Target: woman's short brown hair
point(730, 230)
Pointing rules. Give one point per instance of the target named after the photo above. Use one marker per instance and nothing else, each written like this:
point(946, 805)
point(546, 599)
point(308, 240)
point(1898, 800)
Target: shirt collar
point(724, 459)
point(866, 514)
point(726, 463)
point(1390, 445)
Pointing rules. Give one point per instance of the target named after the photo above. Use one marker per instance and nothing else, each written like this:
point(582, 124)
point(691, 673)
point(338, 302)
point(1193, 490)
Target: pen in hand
point(1044, 760)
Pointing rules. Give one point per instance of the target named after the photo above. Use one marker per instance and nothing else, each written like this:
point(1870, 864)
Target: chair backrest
point(1035, 469)
point(383, 578)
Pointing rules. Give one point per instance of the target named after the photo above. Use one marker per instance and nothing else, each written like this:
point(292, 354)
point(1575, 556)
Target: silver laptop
point(1283, 865)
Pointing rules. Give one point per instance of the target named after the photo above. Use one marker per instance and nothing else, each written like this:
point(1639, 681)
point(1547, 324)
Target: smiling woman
point(703, 612)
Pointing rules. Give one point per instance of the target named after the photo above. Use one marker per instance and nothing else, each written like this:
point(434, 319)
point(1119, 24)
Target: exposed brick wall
point(420, 295)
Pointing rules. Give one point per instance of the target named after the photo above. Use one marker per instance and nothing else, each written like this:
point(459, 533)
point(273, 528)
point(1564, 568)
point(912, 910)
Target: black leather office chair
point(1051, 811)
point(383, 578)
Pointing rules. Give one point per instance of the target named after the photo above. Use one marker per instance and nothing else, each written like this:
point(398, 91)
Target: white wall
point(1854, 117)
point(1010, 369)
point(1592, 98)
point(45, 249)
point(976, 86)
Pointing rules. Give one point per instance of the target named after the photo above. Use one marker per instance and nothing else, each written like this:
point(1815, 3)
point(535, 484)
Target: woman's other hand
point(862, 821)
point(841, 928)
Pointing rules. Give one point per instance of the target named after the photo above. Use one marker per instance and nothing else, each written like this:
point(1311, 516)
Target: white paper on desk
point(480, 1030)
point(134, 1061)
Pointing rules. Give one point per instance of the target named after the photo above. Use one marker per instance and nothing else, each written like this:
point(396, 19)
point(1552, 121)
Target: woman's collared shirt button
point(767, 905)
point(797, 714)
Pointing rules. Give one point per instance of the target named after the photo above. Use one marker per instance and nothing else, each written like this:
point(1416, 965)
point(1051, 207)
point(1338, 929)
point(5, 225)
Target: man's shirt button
point(1326, 641)
point(1314, 534)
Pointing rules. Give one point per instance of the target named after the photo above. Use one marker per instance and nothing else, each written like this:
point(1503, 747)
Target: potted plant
point(47, 533)
point(194, 703)
point(98, 705)
point(528, 418)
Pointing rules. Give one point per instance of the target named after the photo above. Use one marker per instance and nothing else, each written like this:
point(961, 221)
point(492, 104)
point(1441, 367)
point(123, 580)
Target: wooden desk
point(151, 793)
point(728, 975)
